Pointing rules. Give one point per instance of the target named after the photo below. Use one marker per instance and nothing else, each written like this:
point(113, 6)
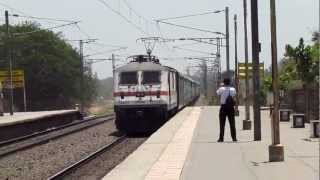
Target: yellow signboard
point(15, 84)
point(243, 75)
point(14, 78)
point(17, 79)
point(14, 73)
point(242, 70)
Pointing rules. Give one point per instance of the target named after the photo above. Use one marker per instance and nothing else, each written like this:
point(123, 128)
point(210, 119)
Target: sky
point(119, 23)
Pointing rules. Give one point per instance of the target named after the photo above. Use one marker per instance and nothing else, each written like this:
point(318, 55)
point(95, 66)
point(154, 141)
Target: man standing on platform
point(226, 93)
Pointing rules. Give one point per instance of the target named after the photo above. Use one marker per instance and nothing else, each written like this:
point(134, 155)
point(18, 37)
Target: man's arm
point(219, 91)
point(233, 92)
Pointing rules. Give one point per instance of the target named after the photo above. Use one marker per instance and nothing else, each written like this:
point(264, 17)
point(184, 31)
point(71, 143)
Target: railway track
point(70, 169)
point(23, 142)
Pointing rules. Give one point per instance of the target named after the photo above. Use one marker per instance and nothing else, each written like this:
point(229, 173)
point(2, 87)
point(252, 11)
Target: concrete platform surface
point(186, 148)
point(22, 117)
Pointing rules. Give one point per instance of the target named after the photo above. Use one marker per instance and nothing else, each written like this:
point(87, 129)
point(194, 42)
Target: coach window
point(151, 77)
point(129, 78)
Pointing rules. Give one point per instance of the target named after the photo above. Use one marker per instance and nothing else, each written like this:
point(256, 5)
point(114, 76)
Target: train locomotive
point(147, 93)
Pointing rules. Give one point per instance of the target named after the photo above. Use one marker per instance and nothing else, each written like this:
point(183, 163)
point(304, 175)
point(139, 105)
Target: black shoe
point(220, 140)
point(235, 140)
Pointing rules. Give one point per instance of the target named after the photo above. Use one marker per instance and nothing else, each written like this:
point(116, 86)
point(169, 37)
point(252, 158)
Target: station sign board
point(17, 79)
point(242, 70)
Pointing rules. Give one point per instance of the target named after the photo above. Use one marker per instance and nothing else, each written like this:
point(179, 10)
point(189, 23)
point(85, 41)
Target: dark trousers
point(230, 113)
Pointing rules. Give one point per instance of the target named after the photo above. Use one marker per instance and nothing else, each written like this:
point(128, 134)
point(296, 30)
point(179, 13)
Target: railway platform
point(24, 123)
point(186, 148)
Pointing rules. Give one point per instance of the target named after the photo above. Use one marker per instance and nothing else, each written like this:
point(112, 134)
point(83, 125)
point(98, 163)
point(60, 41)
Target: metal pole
point(236, 63)
point(220, 71)
point(113, 64)
point(8, 51)
point(205, 80)
point(218, 54)
point(319, 52)
point(82, 76)
point(256, 69)
point(113, 60)
point(217, 73)
point(227, 42)
point(275, 83)
point(276, 152)
point(219, 61)
point(246, 122)
point(319, 36)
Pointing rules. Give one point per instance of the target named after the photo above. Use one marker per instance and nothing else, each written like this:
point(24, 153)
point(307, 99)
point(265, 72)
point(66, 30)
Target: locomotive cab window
point(129, 78)
point(151, 77)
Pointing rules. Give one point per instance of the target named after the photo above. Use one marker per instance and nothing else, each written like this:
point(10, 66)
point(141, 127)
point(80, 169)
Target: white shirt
point(224, 92)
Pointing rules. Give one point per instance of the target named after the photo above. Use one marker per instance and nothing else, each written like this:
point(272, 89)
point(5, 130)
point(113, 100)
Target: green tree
point(307, 68)
point(288, 75)
point(306, 63)
point(52, 67)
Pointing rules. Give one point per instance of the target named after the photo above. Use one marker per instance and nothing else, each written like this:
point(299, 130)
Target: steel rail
point(68, 170)
point(21, 138)
point(18, 144)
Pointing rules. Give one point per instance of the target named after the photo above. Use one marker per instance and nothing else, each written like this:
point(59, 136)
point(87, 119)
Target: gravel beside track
point(45, 136)
point(99, 167)
point(44, 160)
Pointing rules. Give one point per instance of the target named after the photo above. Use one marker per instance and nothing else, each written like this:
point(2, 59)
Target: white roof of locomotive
point(148, 66)
point(142, 66)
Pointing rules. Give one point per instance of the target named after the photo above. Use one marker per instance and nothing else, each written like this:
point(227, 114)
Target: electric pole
point(219, 60)
point(276, 150)
point(227, 42)
point(205, 78)
point(81, 42)
point(246, 122)
point(236, 63)
point(82, 76)
point(256, 69)
point(113, 64)
point(319, 34)
point(217, 75)
point(8, 54)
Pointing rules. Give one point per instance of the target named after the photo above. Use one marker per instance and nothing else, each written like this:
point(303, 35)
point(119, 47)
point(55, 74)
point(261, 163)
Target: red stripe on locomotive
point(146, 93)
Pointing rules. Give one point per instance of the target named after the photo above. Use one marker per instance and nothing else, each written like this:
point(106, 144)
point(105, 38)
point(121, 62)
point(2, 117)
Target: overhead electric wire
point(205, 42)
point(49, 20)
point(192, 50)
point(190, 15)
point(162, 36)
point(139, 16)
point(25, 15)
point(83, 32)
point(13, 9)
point(103, 52)
point(107, 45)
point(123, 17)
point(191, 28)
point(134, 11)
point(55, 27)
point(43, 18)
point(196, 58)
point(187, 44)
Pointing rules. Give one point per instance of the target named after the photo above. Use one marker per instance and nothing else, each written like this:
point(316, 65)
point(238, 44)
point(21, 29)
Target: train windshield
point(151, 77)
point(129, 78)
